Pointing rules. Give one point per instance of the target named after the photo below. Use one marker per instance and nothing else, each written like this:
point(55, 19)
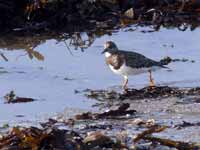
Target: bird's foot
point(152, 85)
point(125, 89)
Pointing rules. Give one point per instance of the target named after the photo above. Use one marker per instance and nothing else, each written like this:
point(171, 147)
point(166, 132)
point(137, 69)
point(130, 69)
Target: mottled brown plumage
point(115, 60)
point(135, 60)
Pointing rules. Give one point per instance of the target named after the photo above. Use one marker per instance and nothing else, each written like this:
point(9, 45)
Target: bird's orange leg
point(152, 84)
point(125, 87)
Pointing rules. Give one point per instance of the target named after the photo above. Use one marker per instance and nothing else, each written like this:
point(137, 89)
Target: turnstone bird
point(127, 63)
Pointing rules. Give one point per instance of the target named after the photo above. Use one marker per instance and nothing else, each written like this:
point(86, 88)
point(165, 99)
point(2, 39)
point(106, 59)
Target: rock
point(130, 13)
point(97, 139)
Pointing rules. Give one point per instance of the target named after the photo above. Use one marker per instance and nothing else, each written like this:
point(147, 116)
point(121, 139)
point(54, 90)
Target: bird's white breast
point(107, 54)
point(126, 70)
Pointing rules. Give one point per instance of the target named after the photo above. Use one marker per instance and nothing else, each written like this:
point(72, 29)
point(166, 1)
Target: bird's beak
point(105, 50)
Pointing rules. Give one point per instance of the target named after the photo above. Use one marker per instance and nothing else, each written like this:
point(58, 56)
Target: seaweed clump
point(144, 93)
point(42, 15)
point(86, 133)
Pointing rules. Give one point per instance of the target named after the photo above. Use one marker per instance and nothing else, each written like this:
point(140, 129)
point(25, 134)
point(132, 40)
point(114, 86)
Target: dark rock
point(98, 139)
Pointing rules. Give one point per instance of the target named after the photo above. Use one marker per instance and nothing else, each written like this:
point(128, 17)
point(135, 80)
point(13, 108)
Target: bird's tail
point(168, 69)
point(165, 61)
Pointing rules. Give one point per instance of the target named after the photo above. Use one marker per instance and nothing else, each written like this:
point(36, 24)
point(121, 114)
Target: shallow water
point(53, 81)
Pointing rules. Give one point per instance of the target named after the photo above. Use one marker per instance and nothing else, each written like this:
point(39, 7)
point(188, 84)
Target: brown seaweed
point(41, 15)
point(12, 98)
point(146, 92)
point(176, 144)
point(121, 111)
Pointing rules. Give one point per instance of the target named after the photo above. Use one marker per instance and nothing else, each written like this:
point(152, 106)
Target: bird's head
point(109, 46)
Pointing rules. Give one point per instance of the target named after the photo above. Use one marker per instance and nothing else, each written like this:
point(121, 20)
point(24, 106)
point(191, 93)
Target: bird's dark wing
point(137, 60)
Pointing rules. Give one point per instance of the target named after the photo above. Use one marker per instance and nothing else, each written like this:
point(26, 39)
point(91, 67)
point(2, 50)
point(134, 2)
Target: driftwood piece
point(171, 143)
point(154, 129)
